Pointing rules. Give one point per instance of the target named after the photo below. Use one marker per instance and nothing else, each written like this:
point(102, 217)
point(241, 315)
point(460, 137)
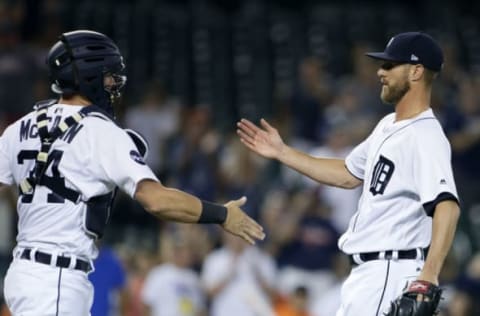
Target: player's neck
point(414, 102)
point(74, 100)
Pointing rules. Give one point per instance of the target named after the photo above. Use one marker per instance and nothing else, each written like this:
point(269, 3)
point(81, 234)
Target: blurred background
point(194, 68)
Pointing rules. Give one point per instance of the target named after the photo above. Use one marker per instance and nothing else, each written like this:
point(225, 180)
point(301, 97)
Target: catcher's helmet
point(78, 63)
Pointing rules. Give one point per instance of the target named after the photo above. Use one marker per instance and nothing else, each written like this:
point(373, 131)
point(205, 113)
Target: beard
point(393, 94)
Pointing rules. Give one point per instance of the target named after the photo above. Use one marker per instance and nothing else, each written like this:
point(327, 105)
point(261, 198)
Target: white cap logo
point(413, 57)
point(390, 41)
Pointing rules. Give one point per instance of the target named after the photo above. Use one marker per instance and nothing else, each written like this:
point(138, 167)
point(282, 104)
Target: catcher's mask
point(90, 64)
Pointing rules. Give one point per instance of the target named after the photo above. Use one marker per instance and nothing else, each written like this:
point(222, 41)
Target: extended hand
point(240, 224)
point(264, 141)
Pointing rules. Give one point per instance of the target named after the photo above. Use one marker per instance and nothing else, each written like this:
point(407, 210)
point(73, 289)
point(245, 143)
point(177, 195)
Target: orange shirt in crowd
point(284, 308)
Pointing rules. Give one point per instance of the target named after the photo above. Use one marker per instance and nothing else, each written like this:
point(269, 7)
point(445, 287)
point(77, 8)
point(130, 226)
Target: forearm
point(168, 204)
point(445, 221)
point(324, 170)
point(179, 206)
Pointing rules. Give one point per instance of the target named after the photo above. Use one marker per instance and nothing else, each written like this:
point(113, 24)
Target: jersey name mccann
point(83, 159)
point(29, 130)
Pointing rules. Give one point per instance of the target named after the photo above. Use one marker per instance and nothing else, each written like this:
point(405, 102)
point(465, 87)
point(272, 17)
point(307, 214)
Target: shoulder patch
point(135, 155)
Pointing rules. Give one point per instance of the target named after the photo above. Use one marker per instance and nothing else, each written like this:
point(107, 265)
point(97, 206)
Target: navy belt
point(418, 254)
point(62, 262)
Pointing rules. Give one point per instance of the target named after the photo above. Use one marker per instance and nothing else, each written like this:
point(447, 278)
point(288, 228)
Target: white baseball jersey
point(405, 167)
point(242, 295)
point(173, 291)
point(91, 158)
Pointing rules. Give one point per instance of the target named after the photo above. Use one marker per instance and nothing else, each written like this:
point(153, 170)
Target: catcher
point(68, 157)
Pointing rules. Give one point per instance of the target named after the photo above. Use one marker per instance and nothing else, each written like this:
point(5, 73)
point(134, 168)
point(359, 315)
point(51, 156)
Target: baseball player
point(407, 214)
point(67, 158)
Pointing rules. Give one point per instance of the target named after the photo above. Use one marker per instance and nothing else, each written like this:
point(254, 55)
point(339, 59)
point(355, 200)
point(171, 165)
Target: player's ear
point(416, 72)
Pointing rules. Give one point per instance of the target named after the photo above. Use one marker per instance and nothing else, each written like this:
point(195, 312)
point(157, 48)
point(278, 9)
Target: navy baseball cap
point(412, 48)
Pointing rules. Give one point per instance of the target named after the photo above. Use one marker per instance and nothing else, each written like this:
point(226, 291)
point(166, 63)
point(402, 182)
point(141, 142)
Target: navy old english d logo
point(382, 172)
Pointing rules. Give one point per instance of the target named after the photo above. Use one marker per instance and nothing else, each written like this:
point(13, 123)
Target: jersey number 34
point(56, 179)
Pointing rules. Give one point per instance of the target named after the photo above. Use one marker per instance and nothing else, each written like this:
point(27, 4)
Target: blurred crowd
point(147, 267)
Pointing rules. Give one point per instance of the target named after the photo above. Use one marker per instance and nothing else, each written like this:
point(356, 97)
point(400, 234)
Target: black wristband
point(212, 213)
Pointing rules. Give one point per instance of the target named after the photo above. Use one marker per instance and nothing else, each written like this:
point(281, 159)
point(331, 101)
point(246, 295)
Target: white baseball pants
point(371, 286)
point(36, 289)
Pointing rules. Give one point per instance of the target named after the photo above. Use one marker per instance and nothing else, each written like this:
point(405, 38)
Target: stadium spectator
point(173, 288)
point(239, 280)
point(109, 281)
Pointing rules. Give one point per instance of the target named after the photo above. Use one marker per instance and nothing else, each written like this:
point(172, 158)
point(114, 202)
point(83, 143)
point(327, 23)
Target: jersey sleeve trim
point(350, 170)
point(4, 182)
point(151, 177)
point(429, 207)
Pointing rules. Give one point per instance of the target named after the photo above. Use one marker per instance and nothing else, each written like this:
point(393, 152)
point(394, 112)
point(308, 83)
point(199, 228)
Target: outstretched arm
point(172, 204)
point(445, 221)
point(267, 142)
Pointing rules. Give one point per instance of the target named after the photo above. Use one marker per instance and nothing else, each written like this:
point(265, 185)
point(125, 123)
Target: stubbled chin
point(384, 91)
point(384, 94)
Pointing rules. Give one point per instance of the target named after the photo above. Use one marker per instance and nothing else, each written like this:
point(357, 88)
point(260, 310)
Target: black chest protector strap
point(47, 138)
point(98, 207)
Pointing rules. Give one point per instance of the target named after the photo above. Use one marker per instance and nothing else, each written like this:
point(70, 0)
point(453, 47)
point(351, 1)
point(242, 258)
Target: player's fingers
point(249, 127)
point(241, 201)
point(246, 135)
point(266, 125)
point(249, 145)
point(245, 130)
point(247, 238)
point(256, 226)
point(257, 234)
point(253, 229)
point(247, 140)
